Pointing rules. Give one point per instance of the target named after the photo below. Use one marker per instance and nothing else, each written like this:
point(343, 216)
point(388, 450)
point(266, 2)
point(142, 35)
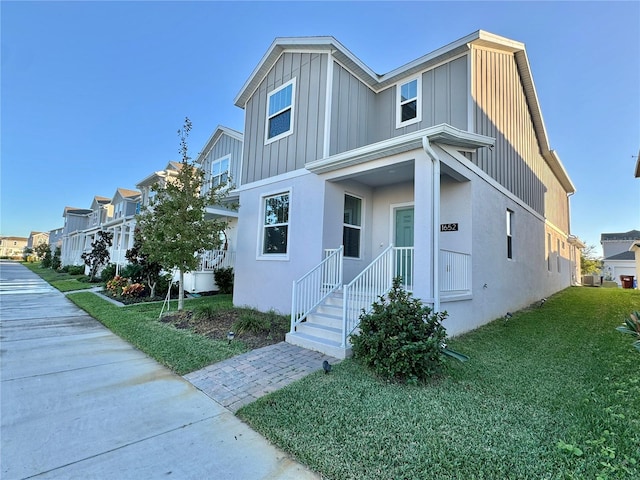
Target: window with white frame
point(220, 172)
point(509, 234)
point(352, 226)
point(280, 111)
point(408, 102)
point(275, 234)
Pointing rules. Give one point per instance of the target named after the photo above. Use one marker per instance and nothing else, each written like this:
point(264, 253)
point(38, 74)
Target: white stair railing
point(316, 285)
point(362, 291)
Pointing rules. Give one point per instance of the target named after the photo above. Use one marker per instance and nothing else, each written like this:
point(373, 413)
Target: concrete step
point(326, 319)
point(318, 344)
point(320, 331)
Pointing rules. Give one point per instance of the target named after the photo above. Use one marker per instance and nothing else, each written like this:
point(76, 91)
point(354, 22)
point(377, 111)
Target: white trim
point(260, 255)
point(471, 104)
point(418, 100)
point(350, 225)
point(291, 107)
point(269, 180)
point(326, 148)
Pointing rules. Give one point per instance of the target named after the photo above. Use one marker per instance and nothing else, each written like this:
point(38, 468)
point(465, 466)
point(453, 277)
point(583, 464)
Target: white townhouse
point(439, 171)
point(125, 204)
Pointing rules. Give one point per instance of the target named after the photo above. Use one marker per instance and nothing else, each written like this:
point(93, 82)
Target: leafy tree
point(99, 254)
point(589, 261)
point(149, 271)
point(56, 262)
point(41, 250)
point(173, 229)
point(26, 252)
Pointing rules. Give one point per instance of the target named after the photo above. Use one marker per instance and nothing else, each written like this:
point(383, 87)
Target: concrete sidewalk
point(79, 402)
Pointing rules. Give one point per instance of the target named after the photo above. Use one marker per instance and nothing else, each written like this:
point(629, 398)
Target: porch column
point(423, 221)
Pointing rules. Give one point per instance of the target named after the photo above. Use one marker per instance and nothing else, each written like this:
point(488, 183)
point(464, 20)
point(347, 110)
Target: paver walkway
point(240, 380)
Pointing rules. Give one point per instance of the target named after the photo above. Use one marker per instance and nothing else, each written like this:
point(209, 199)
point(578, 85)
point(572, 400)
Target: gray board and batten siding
point(224, 146)
point(362, 116)
point(516, 160)
point(307, 140)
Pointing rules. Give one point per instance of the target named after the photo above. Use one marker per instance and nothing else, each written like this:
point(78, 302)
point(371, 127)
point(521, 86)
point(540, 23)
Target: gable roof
point(215, 136)
point(76, 211)
point(629, 255)
point(379, 82)
point(125, 194)
point(630, 235)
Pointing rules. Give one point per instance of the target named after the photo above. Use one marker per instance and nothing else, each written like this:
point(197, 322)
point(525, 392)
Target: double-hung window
point(408, 102)
point(352, 226)
point(280, 112)
point(275, 234)
point(220, 172)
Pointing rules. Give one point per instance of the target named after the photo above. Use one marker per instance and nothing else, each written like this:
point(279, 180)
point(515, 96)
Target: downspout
point(435, 215)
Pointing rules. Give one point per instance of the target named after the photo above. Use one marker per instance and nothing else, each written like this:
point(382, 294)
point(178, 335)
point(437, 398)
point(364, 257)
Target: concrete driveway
point(79, 402)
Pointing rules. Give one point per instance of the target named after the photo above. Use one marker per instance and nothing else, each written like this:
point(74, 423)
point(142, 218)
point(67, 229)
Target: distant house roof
point(101, 200)
point(215, 136)
point(622, 256)
point(76, 211)
point(630, 235)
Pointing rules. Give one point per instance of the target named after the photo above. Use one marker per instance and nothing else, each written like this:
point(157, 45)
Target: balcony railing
point(214, 259)
point(455, 273)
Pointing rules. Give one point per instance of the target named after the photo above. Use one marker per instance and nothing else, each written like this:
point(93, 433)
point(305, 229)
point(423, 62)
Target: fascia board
point(213, 139)
point(559, 171)
point(442, 133)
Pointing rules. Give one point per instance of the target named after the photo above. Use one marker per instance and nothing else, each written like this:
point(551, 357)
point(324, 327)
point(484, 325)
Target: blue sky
point(94, 92)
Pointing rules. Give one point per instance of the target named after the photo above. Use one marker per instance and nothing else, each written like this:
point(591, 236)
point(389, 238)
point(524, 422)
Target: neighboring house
point(439, 171)
point(125, 204)
point(12, 247)
point(37, 238)
point(619, 254)
point(76, 221)
point(55, 238)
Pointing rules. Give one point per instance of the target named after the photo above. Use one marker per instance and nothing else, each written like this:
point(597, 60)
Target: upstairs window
point(220, 172)
point(352, 226)
point(275, 224)
point(280, 112)
point(408, 102)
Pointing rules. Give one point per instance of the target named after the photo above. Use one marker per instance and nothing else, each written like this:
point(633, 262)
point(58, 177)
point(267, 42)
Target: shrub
point(401, 338)
point(632, 327)
point(162, 286)
point(253, 322)
point(224, 279)
point(116, 285)
point(204, 312)
point(133, 290)
point(134, 272)
point(73, 269)
point(108, 272)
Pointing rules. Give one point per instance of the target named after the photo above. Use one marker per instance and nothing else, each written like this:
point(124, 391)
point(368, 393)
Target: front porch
point(325, 311)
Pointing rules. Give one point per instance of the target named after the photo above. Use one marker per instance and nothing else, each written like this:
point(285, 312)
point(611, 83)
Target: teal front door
point(404, 245)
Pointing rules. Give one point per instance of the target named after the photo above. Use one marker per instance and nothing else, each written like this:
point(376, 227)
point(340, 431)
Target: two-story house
point(76, 221)
point(439, 171)
point(124, 205)
point(219, 161)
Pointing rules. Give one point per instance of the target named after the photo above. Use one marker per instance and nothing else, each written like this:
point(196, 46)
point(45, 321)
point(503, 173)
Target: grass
point(552, 393)
point(180, 350)
point(60, 280)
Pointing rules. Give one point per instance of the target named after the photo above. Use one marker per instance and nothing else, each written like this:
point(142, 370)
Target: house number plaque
point(449, 227)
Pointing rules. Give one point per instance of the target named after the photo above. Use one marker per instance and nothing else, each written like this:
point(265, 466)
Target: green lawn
point(60, 280)
point(180, 350)
point(553, 393)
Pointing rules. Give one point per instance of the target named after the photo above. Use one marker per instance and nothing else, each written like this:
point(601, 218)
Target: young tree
point(26, 253)
point(56, 261)
point(589, 262)
point(41, 250)
point(149, 271)
point(173, 229)
point(99, 254)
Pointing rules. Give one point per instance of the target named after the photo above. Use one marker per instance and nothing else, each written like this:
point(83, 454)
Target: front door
point(404, 245)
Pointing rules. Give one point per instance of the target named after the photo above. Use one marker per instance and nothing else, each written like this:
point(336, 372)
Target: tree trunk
point(181, 291)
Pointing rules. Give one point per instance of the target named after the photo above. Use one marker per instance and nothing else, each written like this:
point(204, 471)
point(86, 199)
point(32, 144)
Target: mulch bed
point(218, 327)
